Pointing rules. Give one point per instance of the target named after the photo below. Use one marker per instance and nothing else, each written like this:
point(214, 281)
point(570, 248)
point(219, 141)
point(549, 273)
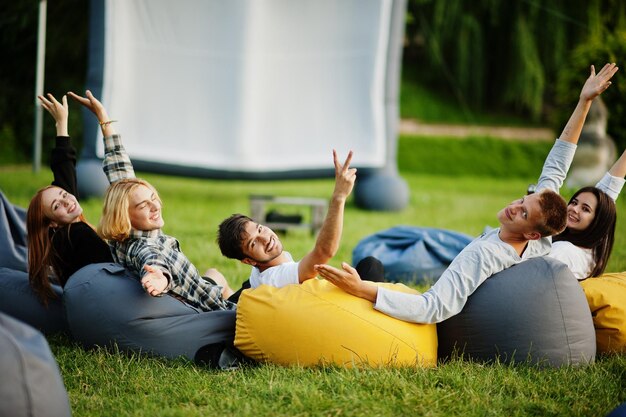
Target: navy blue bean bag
point(31, 382)
point(17, 299)
point(412, 254)
point(13, 244)
point(106, 305)
point(534, 312)
point(619, 411)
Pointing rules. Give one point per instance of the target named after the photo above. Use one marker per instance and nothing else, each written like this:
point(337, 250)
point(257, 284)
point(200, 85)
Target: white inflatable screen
point(248, 85)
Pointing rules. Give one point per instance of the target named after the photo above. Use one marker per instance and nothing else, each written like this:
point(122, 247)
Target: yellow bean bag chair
point(606, 296)
point(316, 323)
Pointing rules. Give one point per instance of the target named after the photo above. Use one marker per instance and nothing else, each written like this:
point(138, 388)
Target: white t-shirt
point(276, 276)
point(579, 260)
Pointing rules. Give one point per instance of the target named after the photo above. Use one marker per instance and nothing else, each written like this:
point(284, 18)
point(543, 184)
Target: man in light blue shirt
point(525, 229)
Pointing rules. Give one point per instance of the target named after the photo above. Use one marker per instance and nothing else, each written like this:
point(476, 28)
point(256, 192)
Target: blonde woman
point(131, 222)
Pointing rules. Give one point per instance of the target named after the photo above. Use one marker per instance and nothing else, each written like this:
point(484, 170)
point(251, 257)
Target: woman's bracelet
point(108, 122)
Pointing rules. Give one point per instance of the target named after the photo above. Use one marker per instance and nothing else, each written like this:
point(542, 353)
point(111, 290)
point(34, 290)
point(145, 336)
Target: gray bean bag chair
point(533, 312)
point(17, 299)
point(13, 244)
point(105, 305)
point(412, 254)
point(31, 383)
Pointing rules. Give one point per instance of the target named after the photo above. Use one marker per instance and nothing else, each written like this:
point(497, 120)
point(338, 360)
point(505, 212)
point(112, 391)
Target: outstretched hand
point(344, 176)
point(348, 279)
point(93, 104)
point(597, 83)
point(154, 282)
point(59, 111)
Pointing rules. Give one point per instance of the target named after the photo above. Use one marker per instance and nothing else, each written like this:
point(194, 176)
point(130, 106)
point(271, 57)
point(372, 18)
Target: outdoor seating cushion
point(18, 300)
point(316, 323)
point(31, 381)
point(106, 305)
point(13, 242)
point(412, 254)
point(606, 296)
point(532, 312)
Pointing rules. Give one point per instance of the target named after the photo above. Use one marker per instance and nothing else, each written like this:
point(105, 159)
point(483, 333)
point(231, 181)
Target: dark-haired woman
point(586, 244)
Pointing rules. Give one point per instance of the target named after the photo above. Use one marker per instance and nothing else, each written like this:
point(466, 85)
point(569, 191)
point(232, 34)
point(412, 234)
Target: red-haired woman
point(60, 241)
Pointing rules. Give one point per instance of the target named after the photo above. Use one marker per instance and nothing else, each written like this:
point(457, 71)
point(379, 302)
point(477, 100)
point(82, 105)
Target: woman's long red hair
point(42, 258)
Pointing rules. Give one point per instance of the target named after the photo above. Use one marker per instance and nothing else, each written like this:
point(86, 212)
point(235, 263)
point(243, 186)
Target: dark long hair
point(599, 235)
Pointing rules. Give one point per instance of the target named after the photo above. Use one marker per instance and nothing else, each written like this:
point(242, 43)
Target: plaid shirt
point(157, 249)
point(116, 164)
point(162, 251)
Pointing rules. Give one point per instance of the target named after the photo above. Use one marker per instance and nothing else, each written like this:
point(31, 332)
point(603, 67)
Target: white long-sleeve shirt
point(482, 258)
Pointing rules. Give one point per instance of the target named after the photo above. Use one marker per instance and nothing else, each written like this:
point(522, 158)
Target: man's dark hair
point(230, 234)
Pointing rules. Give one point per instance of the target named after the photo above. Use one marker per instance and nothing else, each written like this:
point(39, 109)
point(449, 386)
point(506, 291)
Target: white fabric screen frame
point(248, 86)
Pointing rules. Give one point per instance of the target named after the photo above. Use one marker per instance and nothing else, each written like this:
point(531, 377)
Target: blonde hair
point(115, 221)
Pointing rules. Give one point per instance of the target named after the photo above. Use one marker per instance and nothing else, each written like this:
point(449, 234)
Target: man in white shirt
point(239, 237)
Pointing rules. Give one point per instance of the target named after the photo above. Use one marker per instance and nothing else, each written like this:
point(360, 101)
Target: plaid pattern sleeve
point(116, 165)
point(164, 252)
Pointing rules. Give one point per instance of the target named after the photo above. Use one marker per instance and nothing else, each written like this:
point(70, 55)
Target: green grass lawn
point(465, 197)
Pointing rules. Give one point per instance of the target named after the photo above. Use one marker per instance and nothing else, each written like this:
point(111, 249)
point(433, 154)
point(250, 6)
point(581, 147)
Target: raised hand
point(154, 282)
point(59, 111)
point(93, 104)
point(344, 176)
point(597, 83)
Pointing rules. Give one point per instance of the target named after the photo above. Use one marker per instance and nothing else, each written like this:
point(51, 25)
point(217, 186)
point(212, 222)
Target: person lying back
point(526, 227)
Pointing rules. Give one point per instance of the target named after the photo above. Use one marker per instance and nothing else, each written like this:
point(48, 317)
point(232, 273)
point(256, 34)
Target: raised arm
point(560, 158)
point(595, 85)
point(613, 181)
point(94, 105)
point(63, 155)
point(619, 167)
point(58, 111)
point(329, 236)
point(117, 164)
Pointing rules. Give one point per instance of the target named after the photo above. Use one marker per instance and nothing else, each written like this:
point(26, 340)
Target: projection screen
point(245, 88)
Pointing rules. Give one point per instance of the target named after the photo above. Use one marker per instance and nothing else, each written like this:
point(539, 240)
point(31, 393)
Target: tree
point(498, 53)
point(66, 59)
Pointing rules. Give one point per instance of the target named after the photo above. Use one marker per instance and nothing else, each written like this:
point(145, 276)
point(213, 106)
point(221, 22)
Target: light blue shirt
point(483, 257)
